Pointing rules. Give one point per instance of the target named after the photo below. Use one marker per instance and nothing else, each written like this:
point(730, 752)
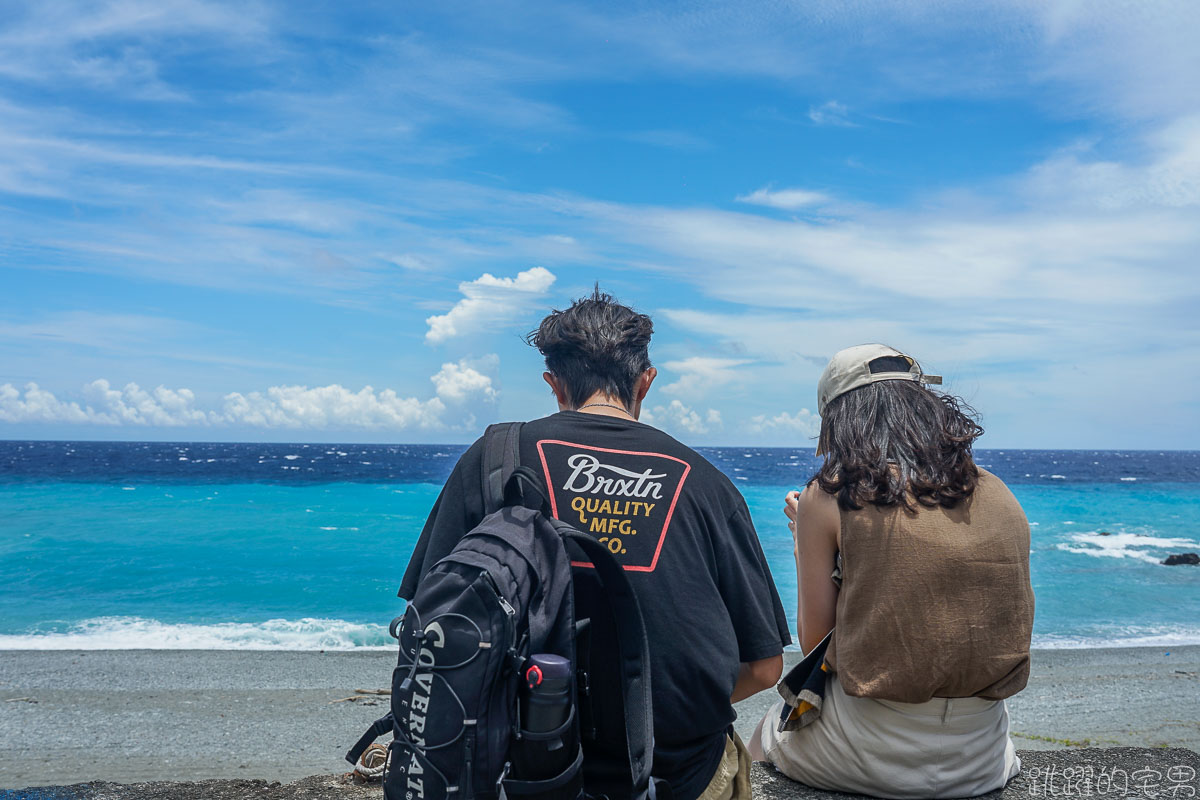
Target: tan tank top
point(936, 602)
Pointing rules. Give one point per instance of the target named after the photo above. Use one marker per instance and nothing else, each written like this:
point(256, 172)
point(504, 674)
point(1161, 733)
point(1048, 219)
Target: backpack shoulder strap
point(501, 456)
point(634, 659)
point(378, 728)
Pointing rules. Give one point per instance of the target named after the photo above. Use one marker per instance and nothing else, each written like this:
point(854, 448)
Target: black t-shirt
point(685, 538)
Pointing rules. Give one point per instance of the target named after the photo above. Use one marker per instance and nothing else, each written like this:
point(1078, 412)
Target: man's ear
point(557, 387)
point(644, 382)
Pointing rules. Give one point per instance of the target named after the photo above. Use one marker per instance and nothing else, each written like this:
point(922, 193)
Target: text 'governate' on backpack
point(503, 593)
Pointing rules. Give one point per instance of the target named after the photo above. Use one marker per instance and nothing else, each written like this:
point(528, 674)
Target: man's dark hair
point(595, 345)
point(894, 442)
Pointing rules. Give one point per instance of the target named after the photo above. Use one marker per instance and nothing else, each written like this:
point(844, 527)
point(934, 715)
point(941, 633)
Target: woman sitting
point(921, 561)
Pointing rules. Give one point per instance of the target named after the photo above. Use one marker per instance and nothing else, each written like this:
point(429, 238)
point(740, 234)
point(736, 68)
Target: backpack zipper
point(509, 635)
point(505, 606)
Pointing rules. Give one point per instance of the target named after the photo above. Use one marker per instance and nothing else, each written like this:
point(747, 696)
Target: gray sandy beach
point(125, 716)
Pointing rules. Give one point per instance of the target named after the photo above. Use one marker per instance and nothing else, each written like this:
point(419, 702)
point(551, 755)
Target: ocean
point(301, 547)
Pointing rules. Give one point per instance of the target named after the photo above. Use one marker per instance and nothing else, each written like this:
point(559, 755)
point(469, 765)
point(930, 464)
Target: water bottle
point(546, 701)
point(545, 705)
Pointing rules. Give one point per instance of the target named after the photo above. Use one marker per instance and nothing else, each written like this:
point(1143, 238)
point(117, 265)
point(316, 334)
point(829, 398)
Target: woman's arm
point(815, 522)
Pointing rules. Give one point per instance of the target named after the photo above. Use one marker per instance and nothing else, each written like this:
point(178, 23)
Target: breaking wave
point(137, 633)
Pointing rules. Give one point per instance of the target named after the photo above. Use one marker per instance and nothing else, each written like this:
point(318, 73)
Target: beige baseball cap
point(865, 364)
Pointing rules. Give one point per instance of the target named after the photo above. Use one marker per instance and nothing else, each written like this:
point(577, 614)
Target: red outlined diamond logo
point(624, 498)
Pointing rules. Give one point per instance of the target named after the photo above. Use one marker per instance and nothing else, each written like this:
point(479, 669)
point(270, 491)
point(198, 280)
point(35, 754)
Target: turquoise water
point(316, 565)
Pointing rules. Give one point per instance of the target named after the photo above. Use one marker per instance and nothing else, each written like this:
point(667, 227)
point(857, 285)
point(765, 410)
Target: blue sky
point(293, 221)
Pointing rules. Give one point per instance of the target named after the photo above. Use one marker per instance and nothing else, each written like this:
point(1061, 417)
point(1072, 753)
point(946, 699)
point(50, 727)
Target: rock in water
point(1183, 558)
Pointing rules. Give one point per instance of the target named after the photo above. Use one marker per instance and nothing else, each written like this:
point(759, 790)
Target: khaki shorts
point(940, 748)
point(731, 781)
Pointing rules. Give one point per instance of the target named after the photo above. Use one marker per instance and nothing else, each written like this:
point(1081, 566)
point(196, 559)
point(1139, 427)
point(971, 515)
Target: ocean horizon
point(301, 546)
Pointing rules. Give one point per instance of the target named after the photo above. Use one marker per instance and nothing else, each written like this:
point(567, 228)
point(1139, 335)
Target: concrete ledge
point(1116, 772)
point(1094, 772)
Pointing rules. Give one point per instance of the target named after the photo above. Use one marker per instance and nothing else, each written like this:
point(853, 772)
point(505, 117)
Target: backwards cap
point(865, 364)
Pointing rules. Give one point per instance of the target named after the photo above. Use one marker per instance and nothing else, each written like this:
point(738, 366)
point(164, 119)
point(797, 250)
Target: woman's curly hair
point(898, 443)
point(595, 345)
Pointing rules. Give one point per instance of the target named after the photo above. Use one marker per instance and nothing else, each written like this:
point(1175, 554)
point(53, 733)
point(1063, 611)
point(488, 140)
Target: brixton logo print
point(624, 498)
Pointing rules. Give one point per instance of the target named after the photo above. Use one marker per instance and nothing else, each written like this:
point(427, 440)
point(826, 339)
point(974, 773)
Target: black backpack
point(506, 591)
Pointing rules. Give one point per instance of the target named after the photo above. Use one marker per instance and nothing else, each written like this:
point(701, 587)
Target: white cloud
point(803, 422)
point(105, 44)
point(489, 301)
point(38, 405)
point(133, 405)
point(786, 199)
point(1168, 178)
point(677, 417)
point(1067, 237)
point(331, 406)
point(104, 405)
point(831, 113)
point(698, 375)
point(409, 261)
point(458, 384)
point(1125, 59)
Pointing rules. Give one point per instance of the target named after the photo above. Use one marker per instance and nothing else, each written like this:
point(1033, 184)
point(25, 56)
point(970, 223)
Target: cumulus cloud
point(677, 416)
point(457, 384)
point(700, 374)
point(136, 406)
point(331, 406)
point(462, 381)
point(131, 405)
point(488, 301)
point(803, 422)
point(37, 405)
point(786, 199)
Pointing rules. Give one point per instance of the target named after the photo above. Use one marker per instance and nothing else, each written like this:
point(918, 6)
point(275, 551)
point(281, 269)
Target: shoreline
point(71, 716)
point(334, 635)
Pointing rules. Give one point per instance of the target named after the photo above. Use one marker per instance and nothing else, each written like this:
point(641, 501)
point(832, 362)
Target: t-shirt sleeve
point(745, 583)
point(453, 514)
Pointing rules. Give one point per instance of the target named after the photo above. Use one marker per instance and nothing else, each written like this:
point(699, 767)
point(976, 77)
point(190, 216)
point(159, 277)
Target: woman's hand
point(791, 508)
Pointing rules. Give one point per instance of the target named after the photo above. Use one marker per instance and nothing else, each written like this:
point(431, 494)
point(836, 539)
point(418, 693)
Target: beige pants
point(941, 748)
point(731, 781)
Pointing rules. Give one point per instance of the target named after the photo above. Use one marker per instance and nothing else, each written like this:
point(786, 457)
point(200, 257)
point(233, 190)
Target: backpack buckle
point(500, 793)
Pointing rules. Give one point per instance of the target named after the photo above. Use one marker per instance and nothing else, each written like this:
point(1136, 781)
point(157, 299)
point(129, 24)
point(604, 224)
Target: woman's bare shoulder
point(817, 502)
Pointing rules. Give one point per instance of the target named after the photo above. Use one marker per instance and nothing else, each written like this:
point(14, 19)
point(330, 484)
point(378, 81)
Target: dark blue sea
point(269, 546)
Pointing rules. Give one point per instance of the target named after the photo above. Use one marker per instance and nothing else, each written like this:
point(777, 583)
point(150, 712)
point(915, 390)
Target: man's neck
point(605, 405)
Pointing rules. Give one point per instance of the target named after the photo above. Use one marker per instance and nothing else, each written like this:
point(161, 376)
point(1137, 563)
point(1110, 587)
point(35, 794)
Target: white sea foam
point(1125, 545)
point(136, 633)
point(1165, 637)
point(1129, 479)
point(291, 458)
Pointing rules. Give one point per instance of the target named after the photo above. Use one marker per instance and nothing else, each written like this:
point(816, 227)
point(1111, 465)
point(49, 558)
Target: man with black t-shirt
point(678, 526)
